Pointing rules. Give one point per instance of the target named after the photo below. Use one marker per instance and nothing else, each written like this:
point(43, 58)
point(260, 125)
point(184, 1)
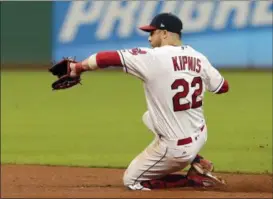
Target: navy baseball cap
point(164, 21)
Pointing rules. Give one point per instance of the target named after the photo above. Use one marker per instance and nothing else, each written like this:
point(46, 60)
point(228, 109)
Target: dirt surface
point(30, 181)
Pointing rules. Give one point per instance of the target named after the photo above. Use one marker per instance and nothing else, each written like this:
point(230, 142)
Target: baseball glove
point(62, 71)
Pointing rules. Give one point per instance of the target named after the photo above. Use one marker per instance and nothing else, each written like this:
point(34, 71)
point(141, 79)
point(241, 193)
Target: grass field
point(99, 123)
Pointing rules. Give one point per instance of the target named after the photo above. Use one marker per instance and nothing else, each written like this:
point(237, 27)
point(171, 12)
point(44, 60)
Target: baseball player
point(175, 78)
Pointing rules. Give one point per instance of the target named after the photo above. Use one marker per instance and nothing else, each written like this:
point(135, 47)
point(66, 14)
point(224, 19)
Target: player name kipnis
point(189, 63)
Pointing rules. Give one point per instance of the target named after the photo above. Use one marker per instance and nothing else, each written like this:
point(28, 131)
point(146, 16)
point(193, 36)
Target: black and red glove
point(62, 70)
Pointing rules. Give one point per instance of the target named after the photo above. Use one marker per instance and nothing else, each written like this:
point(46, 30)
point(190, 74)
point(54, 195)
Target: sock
point(169, 181)
point(198, 157)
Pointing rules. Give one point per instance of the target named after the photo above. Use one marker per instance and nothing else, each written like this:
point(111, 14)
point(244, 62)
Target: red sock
point(199, 156)
point(169, 181)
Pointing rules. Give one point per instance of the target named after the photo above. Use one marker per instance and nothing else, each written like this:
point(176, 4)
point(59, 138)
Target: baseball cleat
point(204, 181)
point(207, 181)
point(204, 177)
point(217, 179)
point(138, 187)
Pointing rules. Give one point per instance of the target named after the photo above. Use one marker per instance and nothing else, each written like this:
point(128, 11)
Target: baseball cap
point(164, 21)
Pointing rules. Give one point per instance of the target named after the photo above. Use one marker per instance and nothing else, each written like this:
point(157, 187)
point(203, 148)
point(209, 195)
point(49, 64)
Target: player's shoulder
point(163, 50)
point(137, 50)
point(203, 58)
point(177, 49)
point(195, 52)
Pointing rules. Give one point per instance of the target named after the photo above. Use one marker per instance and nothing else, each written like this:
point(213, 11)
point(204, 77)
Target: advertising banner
point(229, 33)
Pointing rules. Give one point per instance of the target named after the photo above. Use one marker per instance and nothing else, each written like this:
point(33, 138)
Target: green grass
point(99, 123)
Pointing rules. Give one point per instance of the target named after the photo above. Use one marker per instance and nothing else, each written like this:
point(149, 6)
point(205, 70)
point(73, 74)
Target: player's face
point(155, 38)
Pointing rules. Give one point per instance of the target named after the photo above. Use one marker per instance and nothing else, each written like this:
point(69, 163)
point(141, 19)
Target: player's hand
point(76, 69)
point(66, 78)
point(73, 71)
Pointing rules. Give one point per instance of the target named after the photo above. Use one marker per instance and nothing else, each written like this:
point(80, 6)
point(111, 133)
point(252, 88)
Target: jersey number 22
point(186, 87)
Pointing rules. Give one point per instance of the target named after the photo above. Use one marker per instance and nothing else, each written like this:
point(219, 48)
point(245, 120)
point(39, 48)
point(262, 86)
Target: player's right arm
point(214, 81)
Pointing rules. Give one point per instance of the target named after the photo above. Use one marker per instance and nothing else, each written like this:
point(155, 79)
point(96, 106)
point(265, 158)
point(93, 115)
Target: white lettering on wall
point(241, 9)
point(169, 6)
point(262, 14)
point(146, 15)
point(116, 12)
point(77, 16)
point(204, 11)
point(124, 18)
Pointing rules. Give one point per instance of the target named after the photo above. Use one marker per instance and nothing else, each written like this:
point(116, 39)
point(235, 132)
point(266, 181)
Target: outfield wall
point(26, 33)
point(233, 34)
point(230, 33)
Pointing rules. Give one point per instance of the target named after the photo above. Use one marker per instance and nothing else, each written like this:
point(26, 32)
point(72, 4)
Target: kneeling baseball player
point(175, 78)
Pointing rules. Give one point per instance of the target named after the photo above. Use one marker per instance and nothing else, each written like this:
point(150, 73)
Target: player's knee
point(127, 179)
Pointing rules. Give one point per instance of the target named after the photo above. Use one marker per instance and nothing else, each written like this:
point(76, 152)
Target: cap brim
point(147, 28)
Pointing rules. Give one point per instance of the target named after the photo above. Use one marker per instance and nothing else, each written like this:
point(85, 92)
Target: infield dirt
point(33, 181)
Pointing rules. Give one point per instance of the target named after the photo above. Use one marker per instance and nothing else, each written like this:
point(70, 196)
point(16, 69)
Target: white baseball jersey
point(175, 79)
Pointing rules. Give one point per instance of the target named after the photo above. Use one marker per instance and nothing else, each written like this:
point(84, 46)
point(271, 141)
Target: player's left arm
point(136, 62)
point(96, 61)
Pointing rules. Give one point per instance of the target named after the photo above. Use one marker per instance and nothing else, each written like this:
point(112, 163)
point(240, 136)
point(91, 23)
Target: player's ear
point(165, 34)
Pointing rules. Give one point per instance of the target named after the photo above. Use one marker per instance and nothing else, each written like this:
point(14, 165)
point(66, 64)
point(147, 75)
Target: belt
point(187, 140)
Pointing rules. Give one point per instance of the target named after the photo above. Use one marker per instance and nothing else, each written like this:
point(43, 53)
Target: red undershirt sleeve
point(108, 58)
point(224, 88)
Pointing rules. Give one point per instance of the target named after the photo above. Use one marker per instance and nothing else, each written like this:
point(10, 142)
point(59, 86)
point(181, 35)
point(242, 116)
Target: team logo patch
point(137, 51)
